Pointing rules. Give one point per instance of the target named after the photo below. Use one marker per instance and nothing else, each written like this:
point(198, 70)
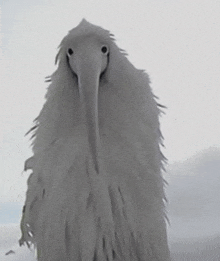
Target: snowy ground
point(197, 249)
point(194, 211)
point(200, 249)
point(10, 234)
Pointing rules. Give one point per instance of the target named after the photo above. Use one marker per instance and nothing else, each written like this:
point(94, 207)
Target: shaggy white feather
point(71, 213)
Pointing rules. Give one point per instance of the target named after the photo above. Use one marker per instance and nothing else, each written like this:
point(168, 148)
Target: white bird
point(96, 192)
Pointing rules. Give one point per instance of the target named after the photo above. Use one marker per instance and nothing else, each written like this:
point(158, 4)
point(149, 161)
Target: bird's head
point(87, 57)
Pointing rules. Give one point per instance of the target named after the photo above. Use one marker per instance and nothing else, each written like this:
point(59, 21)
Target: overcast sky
point(176, 42)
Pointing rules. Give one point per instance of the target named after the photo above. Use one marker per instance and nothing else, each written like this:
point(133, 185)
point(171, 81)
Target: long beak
point(88, 87)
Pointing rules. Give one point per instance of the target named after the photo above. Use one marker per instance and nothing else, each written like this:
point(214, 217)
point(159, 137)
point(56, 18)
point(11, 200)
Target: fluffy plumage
point(71, 211)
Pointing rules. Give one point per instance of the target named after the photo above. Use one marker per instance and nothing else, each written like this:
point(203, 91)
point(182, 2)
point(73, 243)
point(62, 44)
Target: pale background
point(176, 42)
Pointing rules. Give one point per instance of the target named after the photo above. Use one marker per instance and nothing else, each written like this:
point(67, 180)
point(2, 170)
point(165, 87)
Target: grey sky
point(177, 42)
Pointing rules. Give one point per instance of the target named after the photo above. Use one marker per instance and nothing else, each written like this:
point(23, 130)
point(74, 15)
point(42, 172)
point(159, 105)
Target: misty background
point(178, 44)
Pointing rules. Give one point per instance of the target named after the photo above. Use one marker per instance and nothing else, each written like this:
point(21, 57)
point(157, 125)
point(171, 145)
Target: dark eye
point(104, 49)
point(70, 51)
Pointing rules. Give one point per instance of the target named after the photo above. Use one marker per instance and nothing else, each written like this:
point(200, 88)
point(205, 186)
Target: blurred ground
point(193, 210)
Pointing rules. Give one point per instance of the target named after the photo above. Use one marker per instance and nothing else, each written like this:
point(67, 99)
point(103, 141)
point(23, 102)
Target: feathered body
point(72, 212)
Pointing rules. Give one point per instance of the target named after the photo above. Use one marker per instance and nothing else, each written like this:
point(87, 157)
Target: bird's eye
point(70, 51)
point(104, 49)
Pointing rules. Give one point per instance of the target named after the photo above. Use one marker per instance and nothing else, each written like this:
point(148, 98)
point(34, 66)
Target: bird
point(96, 191)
